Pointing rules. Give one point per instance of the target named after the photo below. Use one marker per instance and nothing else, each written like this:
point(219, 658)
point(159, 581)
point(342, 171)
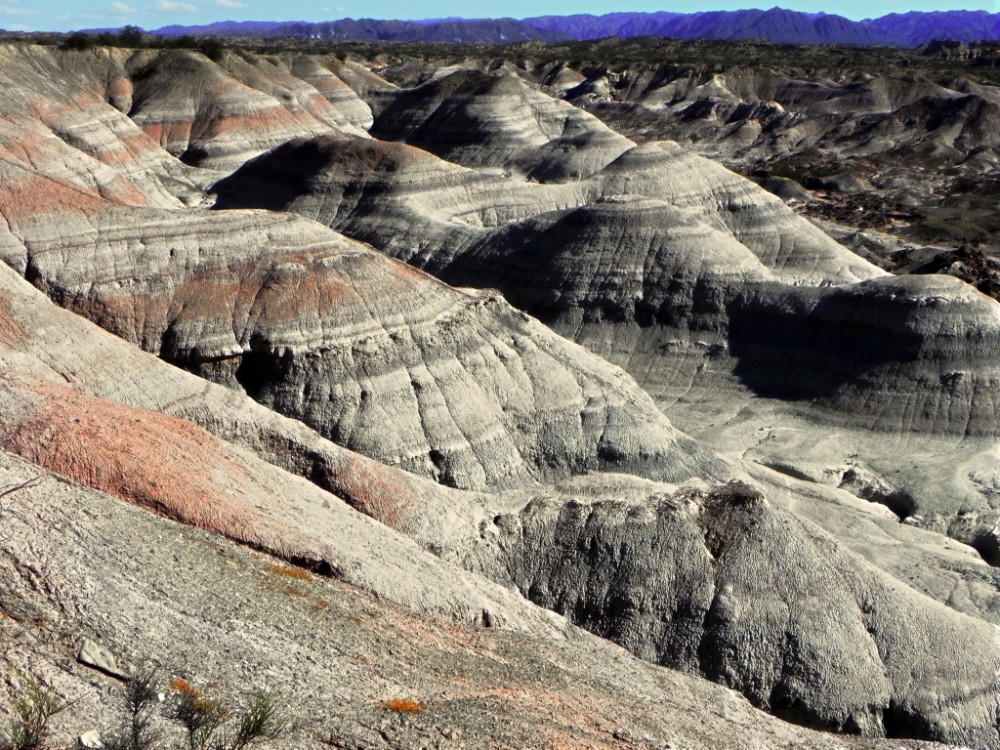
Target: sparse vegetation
point(139, 703)
point(28, 728)
point(207, 723)
point(260, 720)
point(133, 37)
point(130, 36)
point(288, 571)
point(403, 706)
point(200, 716)
point(204, 719)
point(213, 49)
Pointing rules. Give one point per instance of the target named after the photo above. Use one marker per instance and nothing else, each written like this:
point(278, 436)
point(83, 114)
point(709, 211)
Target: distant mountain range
point(777, 25)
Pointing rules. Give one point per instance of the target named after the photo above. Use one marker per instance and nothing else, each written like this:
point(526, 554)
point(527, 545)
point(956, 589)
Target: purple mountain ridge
point(776, 24)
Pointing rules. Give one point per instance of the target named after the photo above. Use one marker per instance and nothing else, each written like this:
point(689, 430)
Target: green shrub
point(28, 728)
point(138, 704)
point(203, 718)
point(79, 41)
point(260, 720)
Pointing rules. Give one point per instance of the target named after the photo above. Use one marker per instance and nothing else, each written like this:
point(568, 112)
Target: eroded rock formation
point(496, 453)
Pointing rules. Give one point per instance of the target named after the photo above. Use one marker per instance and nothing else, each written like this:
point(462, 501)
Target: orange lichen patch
point(287, 591)
point(371, 488)
point(289, 571)
point(162, 463)
point(26, 196)
point(403, 706)
point(10, 329)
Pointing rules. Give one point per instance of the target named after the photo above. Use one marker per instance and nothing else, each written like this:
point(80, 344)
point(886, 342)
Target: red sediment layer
point(126, 149)
point(162, 463)
point(169, 133)
point(273, 118)
point(119, 87)
point(10, 330)
point(21, 145)
point(124, 191)
point(225, 293)
point(367, 488)
point(25, 196)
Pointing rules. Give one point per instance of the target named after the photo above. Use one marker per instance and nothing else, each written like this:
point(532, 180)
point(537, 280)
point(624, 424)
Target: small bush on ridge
point(28, 729)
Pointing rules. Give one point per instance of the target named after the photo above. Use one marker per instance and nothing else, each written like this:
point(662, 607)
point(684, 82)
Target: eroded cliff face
point(428, 451)
point(707, 290)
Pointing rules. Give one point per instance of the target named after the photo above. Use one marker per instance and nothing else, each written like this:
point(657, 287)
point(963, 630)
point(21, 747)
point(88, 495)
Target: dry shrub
point(403, 706)
point(289, 571)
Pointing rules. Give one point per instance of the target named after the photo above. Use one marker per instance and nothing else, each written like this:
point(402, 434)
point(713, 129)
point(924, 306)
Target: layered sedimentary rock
point(431, 212)
point(710, 293)
point(478, 119)
point(789, 587)
point(325, 330)
point(112, 572)
point(64, 127)
point(723, 583)
point(646, 556)
point(112, 418)
point(219, 117)
point(329, 81)
point(892, 343)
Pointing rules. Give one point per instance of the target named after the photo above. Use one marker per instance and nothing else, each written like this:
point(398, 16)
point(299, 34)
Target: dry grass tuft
point(289, 571)
point(182, 687)
point(403, 706)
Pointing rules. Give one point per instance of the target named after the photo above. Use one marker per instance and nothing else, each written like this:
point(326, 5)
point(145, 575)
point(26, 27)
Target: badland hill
point(477, 401)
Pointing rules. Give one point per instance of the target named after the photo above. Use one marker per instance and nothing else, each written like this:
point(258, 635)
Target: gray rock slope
point(665, 572)
point(77, 564)
point(723, 583)
point(814, 604)
point(660, 284)
point(478, 119)
point(325, 330)
point(742, 323)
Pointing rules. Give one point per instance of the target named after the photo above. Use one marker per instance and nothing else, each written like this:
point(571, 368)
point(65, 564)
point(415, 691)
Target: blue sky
point(62, 15)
